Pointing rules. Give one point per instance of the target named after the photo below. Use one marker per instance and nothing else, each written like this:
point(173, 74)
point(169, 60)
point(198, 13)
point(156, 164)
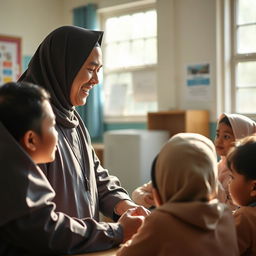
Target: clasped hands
point(132, 217)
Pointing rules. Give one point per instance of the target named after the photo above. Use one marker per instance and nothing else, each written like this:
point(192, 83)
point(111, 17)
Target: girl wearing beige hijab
point(188, 220)
point(230, 128)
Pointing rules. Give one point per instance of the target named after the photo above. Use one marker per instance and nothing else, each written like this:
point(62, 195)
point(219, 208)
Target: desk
point(111, 252)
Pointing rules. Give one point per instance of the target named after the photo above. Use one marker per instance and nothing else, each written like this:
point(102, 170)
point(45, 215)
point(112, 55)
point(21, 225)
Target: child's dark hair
point(242, 157)
point(225, 120)
point(21, 107)
point(153, 173)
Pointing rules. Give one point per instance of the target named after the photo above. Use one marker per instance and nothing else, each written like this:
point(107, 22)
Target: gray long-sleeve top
point(82, 186)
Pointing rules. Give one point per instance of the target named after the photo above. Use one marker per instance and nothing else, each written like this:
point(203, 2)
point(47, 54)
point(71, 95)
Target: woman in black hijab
point(66, 64)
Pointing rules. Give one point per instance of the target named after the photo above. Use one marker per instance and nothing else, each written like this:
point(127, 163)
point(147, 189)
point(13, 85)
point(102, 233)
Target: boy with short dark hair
point(28, 221)
point(242, 188)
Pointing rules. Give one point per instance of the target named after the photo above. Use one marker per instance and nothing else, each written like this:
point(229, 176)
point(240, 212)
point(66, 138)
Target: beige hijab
point(186, 176)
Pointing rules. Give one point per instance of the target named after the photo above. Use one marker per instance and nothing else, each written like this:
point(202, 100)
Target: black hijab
point(56, 63)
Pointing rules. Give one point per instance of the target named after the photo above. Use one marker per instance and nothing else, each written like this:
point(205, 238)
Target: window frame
point(106, 13)
point(237, 58)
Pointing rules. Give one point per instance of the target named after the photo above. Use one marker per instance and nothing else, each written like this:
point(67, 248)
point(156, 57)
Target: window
point(244, 57)
point(130, 58)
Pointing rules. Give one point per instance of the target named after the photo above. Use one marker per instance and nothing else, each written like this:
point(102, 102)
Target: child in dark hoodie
point(29, 222)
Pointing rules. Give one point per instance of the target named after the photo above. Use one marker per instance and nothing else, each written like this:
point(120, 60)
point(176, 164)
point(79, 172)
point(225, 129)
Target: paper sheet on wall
point(198, 82)
point(144, 86)
point(116, 103)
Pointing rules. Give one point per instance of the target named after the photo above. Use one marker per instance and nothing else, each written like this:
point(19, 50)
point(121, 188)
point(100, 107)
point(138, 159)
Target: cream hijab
point(186, 177)
point(242, 126)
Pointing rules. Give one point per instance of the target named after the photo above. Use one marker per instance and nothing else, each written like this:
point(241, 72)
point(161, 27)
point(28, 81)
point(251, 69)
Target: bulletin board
point(10, 58)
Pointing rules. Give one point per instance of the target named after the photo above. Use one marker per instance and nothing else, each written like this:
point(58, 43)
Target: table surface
point(111, 252)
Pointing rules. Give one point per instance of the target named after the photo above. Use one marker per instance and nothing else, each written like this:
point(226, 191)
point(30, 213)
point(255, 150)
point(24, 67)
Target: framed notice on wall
point(10, 58)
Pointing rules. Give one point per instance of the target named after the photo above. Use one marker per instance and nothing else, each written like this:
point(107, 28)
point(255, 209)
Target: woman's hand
point(125, 205)
point(130, 221)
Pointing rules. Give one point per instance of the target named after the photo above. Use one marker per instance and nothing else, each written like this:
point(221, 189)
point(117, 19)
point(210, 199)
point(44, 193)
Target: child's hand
point(140, 211)
point(148, 198)
point(130, 222)
point(144, 195)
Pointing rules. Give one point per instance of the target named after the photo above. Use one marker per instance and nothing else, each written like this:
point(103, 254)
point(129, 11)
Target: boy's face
point(45, 143)
point(224, 139)
point(241, 189)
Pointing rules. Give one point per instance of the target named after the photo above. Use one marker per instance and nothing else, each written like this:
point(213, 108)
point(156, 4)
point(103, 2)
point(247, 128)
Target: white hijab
point(242, 126)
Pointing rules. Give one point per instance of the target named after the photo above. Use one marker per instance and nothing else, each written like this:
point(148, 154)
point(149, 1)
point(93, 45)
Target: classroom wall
point(188, 34)
point(31, 20)
point(196, 41)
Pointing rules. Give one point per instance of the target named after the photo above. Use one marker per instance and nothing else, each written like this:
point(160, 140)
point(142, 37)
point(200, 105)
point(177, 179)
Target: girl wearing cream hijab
point(230, 128)
point(188, 220)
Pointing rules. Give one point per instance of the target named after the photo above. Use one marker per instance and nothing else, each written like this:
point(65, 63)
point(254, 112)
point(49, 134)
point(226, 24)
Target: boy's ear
point(157, 197)
point(253, 191)
point(29, 141)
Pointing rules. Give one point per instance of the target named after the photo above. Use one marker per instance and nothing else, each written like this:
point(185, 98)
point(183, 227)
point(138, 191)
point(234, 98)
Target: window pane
point(246, 100)
point(116, 93)
point(246, 11)
point(150, 23)
point(124, 28)
point(150, 51)
point(124, 97)
point(144, 86)
point(111, 58)
point(246, 74)
point(246, 39)
point(138, 21)
point(137, 52)
point(130, 40)
point(110, 34)
point(108, 80)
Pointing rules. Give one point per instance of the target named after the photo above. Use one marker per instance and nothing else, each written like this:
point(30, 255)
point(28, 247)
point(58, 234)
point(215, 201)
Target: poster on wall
point(198, 82)
point(10, 58)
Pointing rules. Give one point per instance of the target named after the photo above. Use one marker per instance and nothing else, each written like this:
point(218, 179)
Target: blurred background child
point(241, 161)
point(230, 127)
point(188, 220)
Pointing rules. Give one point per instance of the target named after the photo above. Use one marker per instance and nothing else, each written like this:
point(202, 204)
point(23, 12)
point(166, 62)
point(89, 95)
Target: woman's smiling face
point(86, 78)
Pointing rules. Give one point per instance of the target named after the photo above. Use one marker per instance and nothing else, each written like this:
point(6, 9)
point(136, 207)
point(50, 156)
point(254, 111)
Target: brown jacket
point(245, 220)
point(164, 234)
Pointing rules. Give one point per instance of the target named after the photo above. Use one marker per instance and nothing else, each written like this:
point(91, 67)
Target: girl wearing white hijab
point(230, 128)
point(188, 220)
